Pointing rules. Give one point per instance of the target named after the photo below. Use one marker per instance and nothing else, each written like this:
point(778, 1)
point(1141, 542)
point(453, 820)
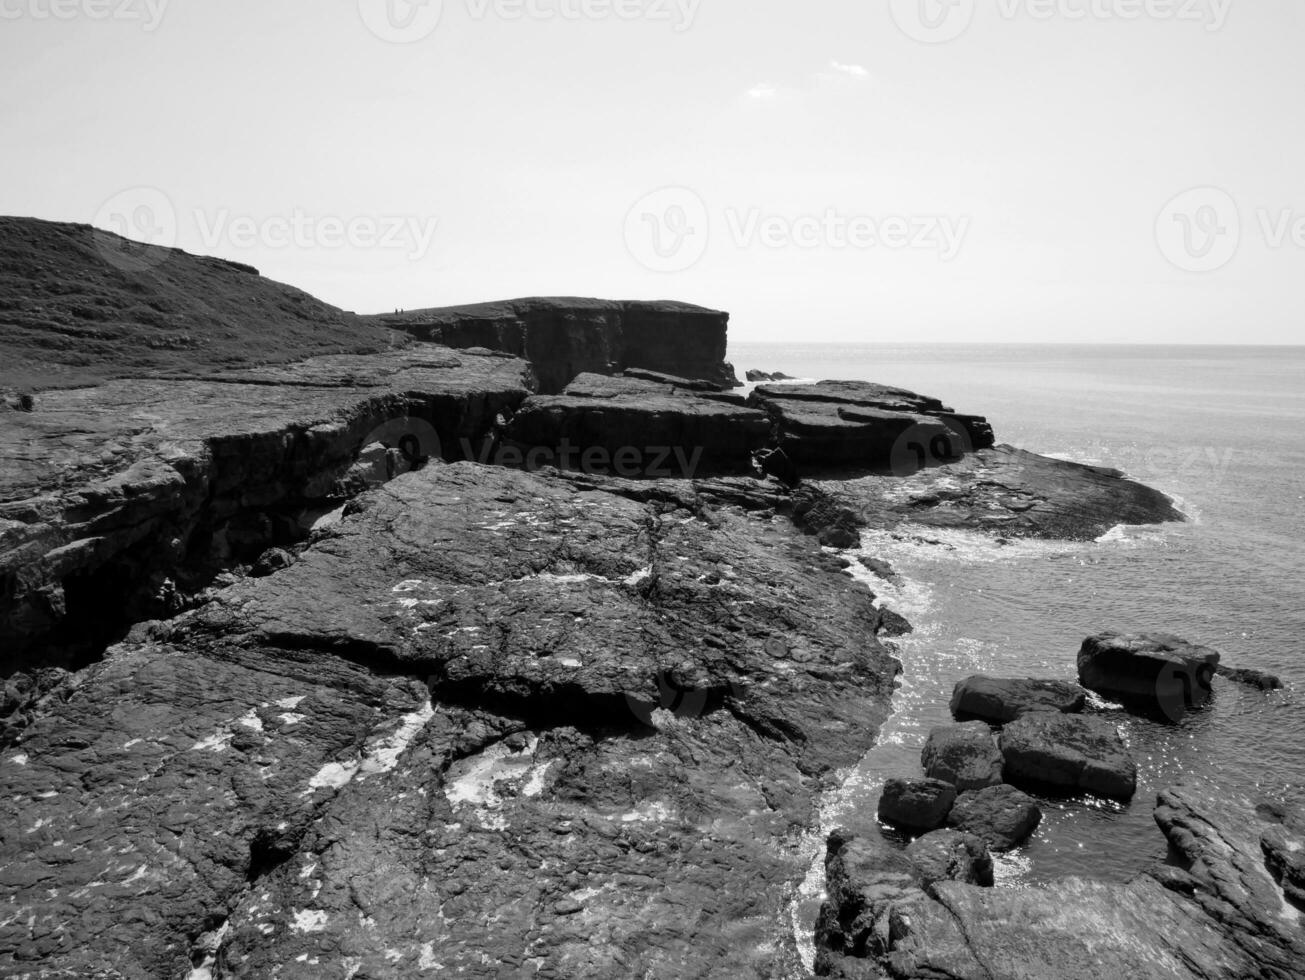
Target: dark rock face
point(754, 376)
point(964, 755)
point(916, 804)
point(1072, 753)
point(566, 337)
point(111, 491)
point(1149, 671)
point(1000, 700)
point(847, 423)
point(483, 719)
point(949, 855)
point(1222, 919)
point(1001, 816)
point(636, 427)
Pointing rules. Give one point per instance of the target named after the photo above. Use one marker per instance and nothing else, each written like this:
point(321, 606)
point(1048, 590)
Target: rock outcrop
point(857, 424)
point(483, 719)
point(1221, 917)
point(1003, 492)
point(566, 337)
point(999, 700)
point(1155, 672)
point(632, 426)
point(1070, 753)
point(111, 491)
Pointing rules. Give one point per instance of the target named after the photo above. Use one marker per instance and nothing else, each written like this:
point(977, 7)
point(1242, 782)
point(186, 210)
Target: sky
point(853, 171)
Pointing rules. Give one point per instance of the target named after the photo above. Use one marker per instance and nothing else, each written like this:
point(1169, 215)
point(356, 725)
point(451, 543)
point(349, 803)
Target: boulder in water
point(1073, 753)
point(964, 755)
point(1148, 671)
point(916, 804)
point(1000, 700)
point(1001, 815)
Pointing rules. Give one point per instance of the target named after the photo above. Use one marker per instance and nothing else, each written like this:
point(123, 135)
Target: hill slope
point(78, 306)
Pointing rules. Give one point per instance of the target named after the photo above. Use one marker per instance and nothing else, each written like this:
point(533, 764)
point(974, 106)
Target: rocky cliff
point(567, 337)
point(341, 665)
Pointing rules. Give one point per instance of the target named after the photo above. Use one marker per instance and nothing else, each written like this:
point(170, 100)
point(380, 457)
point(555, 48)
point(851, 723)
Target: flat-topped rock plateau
point(503, 640)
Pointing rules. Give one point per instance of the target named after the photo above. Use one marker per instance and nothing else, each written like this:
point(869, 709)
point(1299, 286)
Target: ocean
point(1222, 431)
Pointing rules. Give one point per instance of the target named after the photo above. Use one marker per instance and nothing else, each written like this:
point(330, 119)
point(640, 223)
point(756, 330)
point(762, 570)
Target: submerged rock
point(916, 804)
point(1251, 678)
point(964, 755)
point(1002, 816)
point(1072, 753)
point(1150, 671)
point(1000, 700)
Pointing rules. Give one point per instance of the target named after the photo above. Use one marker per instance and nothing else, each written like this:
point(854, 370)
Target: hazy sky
point(859, 170)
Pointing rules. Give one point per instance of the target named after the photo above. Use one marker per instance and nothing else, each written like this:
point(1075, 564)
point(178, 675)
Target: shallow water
point(1222, 430)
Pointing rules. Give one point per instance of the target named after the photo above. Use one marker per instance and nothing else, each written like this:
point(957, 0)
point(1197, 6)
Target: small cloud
point(856, 71)
point(762, 92)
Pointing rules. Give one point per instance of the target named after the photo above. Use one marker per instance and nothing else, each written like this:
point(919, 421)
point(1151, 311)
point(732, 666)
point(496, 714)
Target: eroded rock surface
point(489, 723)
point(107, 491)
point(1004, 492)
point(1222, 918)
